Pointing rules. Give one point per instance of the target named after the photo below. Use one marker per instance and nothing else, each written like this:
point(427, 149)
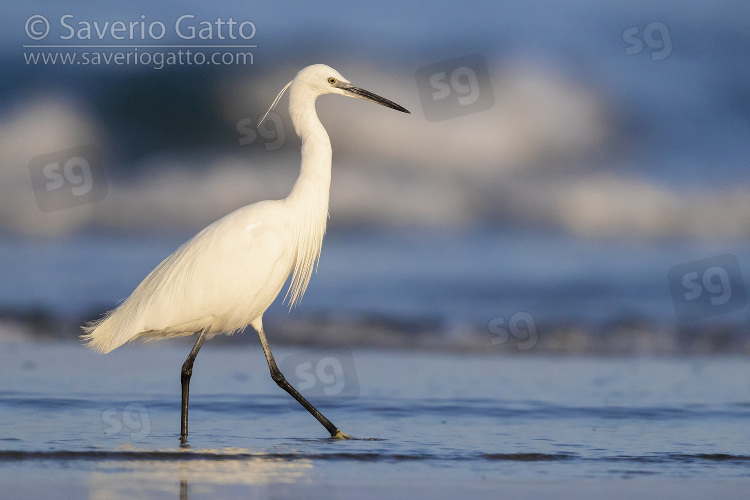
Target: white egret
point(227, 275)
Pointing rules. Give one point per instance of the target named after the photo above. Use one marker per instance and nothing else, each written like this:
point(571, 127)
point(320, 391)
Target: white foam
point(517, 162)
point(46, 124)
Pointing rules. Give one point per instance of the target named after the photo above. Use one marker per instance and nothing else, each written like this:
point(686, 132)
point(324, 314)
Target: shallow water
point(73, 423)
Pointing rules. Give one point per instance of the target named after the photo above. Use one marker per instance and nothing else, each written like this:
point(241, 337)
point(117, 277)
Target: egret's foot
point(340, 435)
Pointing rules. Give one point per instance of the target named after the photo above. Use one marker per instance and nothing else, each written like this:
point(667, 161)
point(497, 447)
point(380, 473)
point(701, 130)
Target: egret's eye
point(331, 80)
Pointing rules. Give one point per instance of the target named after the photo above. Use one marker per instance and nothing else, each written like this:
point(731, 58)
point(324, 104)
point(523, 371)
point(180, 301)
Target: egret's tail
point(119, 326)
point(106, 334)
point(92, 339)
point(125, 323)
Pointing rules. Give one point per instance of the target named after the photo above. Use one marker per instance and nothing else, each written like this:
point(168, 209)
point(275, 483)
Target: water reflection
point(245, 476)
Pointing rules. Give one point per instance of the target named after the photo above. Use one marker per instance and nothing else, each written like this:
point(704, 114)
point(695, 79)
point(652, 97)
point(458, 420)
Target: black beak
point(355, 91)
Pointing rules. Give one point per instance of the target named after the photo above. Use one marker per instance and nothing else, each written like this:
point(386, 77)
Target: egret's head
point(320, 79)
point(323, 79)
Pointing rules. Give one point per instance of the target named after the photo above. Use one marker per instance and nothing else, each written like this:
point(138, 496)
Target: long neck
point(315, 171)
point(308, 200)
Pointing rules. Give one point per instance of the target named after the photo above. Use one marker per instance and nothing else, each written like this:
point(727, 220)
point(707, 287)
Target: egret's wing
point(227, 275)
point(220, 280)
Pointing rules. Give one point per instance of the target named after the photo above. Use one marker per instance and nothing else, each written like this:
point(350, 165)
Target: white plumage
point(226, 276)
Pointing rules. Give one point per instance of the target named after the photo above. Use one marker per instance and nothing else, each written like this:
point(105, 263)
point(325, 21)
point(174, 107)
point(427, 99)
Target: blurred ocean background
point(534, 283)
point(614, 148)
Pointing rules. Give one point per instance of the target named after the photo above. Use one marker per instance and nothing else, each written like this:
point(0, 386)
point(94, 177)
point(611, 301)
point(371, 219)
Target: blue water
point(451, 277)
point(474, 421)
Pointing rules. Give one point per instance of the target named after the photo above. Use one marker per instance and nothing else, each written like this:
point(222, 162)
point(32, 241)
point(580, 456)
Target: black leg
point(187, 371)
point(278, 377)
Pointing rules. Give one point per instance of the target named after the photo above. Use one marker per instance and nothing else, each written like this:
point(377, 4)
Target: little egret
point(227, 275)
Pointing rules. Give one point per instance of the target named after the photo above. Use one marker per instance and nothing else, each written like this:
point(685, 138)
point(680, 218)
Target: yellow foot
point(340, 435)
